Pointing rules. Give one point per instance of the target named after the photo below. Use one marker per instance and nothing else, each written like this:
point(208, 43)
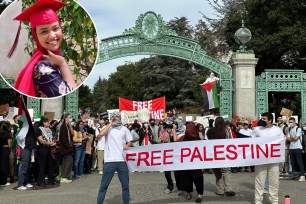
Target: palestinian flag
point(146, 140)
point(25, 125)
point(210, 95)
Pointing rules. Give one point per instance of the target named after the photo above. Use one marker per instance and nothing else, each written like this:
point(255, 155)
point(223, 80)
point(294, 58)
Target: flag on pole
point(210, 95)
point(25, 125)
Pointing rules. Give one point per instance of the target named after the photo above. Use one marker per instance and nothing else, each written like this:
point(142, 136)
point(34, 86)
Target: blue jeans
point(109, 169)
point(79, 156)
point(24, 167)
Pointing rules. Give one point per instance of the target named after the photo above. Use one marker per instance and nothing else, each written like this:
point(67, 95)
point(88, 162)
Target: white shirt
point(114, 141)
point(101, 140)
point(246, 132)
point(296, 131)
point(135, 135)
point(267, 132)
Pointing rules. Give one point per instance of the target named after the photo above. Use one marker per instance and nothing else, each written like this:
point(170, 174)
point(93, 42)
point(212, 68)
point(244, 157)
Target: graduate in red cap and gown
point(47, 73)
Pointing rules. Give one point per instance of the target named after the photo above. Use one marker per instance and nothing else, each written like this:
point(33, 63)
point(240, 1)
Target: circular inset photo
point(48, 47)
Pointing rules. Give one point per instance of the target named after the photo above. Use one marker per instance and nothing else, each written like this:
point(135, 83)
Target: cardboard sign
point(88, 144)
point(49, 115)
point(286, 112)
point(4, 109)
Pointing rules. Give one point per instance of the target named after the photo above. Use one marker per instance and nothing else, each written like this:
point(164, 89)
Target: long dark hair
point(219, 131)
point(42, 121)
point(77, 128)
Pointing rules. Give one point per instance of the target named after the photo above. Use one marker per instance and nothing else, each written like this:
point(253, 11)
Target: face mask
point(72, 123)
point(70, 120)
point(12, 131)
point(81, 127)
point(152, 124)
point(304, 128)
point(291, 125)
point(263, 123)
point(145, 125)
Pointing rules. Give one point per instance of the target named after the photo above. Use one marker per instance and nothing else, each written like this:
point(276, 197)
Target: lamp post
point(242, 36)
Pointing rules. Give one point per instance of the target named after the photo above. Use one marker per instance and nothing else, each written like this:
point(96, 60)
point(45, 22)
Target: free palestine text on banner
point(205, 154)
point(157, 106)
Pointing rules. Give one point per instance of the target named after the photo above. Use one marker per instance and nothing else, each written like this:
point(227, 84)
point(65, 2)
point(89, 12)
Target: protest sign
point(206, 154)
point(156, 107)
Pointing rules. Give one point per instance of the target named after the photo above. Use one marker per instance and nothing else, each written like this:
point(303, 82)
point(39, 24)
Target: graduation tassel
point(12, 50)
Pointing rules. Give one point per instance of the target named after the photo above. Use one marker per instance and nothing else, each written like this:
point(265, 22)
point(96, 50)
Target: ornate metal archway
point(71, 102)
point(279, 80)
point(150, 36)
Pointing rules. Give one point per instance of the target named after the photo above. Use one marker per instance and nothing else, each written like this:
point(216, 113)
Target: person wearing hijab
point(223, 179)
point(195, 176)
point(47, 73)
point(117, 139)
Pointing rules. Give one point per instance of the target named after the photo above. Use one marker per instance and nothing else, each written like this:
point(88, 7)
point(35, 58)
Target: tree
point(278, 30)
point(85, 97)
point(100, 95)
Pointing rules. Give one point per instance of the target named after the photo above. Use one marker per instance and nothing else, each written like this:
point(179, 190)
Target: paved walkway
point(146, 188)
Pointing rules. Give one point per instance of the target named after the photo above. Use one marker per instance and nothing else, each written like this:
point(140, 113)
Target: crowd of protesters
point(57, 148)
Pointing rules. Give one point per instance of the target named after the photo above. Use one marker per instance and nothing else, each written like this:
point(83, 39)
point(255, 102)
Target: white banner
point(128, 117)
point(204, 154)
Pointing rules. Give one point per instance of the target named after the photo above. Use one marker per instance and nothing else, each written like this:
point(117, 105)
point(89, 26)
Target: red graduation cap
point(42, 12)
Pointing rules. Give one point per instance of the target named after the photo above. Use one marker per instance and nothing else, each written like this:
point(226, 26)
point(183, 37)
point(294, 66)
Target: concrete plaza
point(146, 188)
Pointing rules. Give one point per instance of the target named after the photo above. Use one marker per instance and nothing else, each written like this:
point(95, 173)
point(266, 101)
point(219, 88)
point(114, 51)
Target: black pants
point(178, 175)
point(87, 163)
point(169, 180)
point(67, 163)
point(45, 163)
point(191, 177)
point(4, 164)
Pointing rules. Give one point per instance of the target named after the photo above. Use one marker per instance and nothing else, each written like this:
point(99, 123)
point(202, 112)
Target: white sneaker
point(22, 188)
point(64, 180)
point(302, 178)
point(100, 172)
point(7, 184)
point(29, 185)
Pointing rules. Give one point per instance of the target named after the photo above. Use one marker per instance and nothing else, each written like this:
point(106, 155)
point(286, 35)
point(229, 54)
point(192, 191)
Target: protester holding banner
point(270, 171)
point(117, 139)
point(223, 175)
point(195, 176)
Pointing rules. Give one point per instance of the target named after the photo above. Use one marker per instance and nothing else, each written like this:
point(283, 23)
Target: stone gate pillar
point(53, 105)
point(243, 65)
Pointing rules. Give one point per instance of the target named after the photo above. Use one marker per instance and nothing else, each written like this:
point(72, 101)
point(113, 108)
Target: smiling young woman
point(47, 73)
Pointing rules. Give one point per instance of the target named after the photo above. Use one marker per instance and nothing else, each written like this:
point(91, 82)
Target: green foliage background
point(80, 44)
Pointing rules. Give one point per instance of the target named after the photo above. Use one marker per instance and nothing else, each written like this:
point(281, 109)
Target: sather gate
point(71, 100)
point(151, 37)
point(279, 80)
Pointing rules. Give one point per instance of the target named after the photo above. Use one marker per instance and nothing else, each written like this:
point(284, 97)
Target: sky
point(111, 18)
